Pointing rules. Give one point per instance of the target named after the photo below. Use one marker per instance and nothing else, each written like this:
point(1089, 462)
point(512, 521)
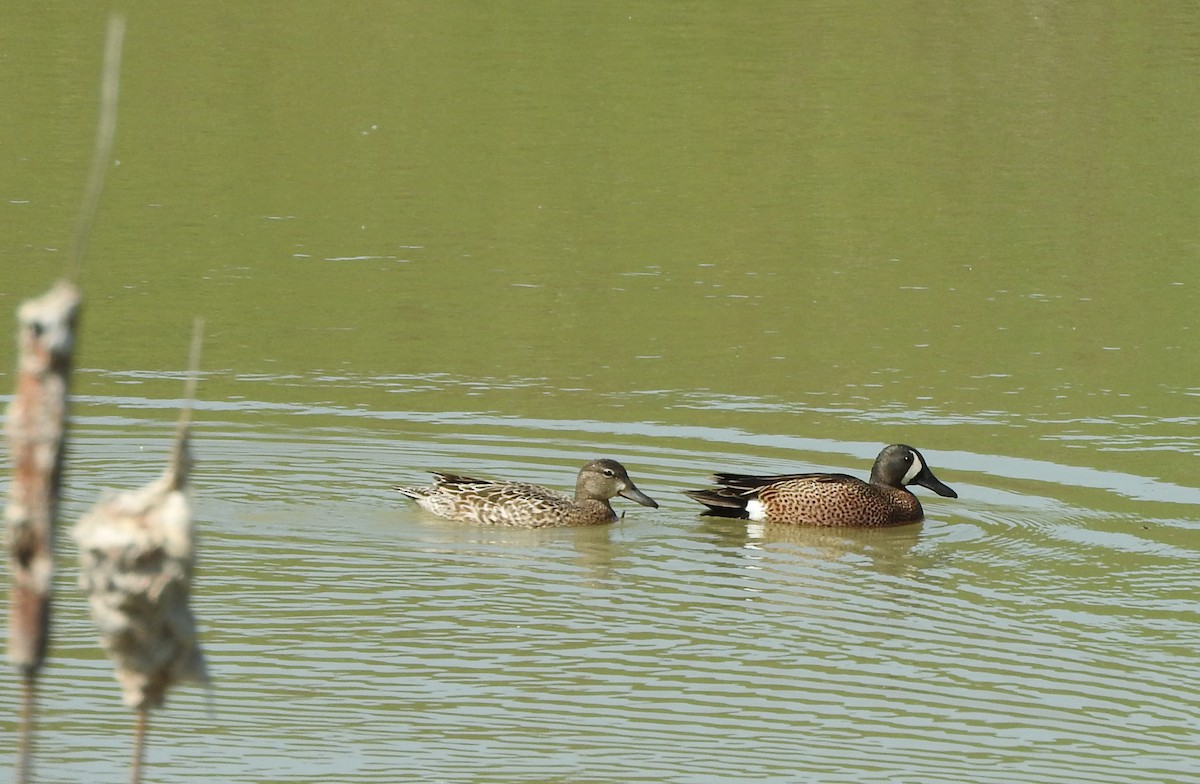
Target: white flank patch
point(914, 469)
point(756, 511)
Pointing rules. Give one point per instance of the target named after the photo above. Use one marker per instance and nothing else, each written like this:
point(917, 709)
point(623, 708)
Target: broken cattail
point(137, 554)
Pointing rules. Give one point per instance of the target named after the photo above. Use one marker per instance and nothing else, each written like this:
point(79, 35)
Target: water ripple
point(1014, 635)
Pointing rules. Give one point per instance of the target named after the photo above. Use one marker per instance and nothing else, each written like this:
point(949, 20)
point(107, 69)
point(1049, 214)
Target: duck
point(524, 505)
point(831, 500)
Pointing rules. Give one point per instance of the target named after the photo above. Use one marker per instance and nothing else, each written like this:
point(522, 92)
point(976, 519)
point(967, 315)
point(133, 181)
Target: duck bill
point(633, 494)
point(927, 479)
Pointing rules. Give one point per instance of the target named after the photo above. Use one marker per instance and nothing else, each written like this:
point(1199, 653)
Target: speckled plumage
point(524, 505)
point(832, 500)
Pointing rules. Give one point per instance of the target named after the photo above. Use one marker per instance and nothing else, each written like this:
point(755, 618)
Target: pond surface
point(508, 238)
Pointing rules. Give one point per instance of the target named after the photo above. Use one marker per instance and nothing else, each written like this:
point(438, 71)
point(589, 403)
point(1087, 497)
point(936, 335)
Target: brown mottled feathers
point(524, 505)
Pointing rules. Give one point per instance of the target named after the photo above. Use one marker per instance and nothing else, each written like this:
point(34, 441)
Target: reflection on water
point(355, 637)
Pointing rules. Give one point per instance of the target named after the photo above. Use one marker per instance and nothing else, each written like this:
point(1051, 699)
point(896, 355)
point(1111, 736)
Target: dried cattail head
point(137, 555)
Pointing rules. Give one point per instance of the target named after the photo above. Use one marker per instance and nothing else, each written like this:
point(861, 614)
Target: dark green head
point(900, 465)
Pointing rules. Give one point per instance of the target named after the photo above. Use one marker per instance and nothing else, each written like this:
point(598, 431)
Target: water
point(691, 238)
point(1011, 636)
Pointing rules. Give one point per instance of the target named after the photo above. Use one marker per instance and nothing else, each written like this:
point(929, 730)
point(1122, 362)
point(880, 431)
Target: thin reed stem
point(106, 129)
point(193, 372)
point(141, 729)
point(24, 771)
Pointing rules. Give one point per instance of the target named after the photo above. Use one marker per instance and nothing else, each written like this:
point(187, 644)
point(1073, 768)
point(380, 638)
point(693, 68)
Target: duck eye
point(608, 472)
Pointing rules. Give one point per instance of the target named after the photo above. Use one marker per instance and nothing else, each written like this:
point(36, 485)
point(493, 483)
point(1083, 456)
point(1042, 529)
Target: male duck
point(525, 505)
point(829, 499)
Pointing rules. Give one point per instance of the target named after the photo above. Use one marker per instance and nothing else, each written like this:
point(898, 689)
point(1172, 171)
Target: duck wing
point(750, 484)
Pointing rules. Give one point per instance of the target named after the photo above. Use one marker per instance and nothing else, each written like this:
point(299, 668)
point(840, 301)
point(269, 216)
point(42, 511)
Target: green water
point(698, 236)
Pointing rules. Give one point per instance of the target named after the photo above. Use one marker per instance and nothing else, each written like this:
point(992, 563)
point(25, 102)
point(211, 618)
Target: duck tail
point(719, 503)
point(411, 492)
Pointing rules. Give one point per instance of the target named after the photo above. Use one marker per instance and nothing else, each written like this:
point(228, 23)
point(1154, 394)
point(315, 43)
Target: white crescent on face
point(917, 466)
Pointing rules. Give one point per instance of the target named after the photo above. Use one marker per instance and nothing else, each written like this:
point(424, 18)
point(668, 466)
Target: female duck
point(524, 505)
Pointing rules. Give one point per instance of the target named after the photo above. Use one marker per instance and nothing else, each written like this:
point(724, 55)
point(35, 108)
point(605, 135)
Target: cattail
point(137, 556)
point(36, 425)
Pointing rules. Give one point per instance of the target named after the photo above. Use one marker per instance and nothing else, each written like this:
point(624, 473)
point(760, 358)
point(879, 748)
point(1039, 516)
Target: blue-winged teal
point(829, 499)
point(525, 505)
